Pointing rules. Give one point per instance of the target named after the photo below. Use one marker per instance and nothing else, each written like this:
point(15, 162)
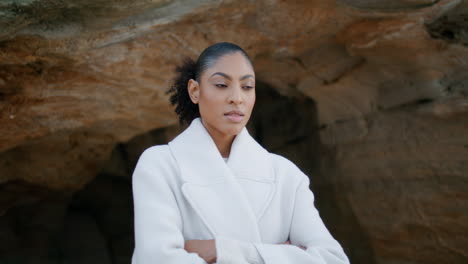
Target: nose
point(236, 96)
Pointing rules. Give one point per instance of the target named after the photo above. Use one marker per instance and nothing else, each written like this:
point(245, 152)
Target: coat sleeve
point(307, 229)
point(158, 223)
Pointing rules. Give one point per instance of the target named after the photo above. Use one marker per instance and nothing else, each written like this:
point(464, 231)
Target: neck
point(223, 142)
point(224, 145)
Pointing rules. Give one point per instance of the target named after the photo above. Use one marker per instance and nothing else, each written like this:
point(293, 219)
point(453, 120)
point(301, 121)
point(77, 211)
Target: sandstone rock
point(389, 5)
point(385, 83)
point(405, 179)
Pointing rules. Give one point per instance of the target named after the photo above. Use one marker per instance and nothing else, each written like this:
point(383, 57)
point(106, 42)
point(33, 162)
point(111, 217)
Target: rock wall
point(374, 96)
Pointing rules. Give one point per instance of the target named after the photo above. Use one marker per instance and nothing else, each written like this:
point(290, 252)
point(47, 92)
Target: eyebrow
point(230, 78)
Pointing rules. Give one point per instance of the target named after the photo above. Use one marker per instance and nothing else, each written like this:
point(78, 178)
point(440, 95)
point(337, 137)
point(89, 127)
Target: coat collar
point(229, 197)
point(200, 160)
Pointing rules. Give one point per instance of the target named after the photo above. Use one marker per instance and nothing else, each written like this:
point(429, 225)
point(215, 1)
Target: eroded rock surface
point(386, 82)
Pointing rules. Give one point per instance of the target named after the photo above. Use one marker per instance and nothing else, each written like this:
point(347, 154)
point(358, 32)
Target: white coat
point(185, 190)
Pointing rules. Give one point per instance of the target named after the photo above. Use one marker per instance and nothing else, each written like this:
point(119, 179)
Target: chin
point(234, 129)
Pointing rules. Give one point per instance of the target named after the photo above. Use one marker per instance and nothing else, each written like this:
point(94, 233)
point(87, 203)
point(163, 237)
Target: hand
point(206, 249)
point(289, 243)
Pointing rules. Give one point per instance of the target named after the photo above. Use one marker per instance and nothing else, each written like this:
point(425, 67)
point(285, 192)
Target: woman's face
point(225, 94)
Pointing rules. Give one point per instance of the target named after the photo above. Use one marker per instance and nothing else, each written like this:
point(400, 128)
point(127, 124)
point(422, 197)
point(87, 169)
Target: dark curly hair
point(189, 69)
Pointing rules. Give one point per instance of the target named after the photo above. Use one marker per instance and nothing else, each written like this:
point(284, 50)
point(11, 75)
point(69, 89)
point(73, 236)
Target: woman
point(191, 206)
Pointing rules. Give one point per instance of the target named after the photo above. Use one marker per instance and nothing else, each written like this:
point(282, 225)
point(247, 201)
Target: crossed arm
point(206, 249)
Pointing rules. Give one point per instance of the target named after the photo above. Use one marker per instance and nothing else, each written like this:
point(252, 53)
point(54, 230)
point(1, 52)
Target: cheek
point(251, 100)
point(210, 102)
point(213, 100)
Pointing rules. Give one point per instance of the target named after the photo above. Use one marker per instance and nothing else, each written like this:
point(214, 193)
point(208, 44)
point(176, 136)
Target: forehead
point(234, 64)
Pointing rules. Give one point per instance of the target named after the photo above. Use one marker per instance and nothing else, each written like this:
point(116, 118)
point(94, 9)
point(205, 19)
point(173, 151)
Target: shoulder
point(281, 162)
point(285, 168)
point(156, 158)
point(156, 149)
point(153, 152)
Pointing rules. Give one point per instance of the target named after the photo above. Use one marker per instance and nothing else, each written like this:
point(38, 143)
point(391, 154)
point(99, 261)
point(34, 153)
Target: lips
point(236, 113)
point(235, 116)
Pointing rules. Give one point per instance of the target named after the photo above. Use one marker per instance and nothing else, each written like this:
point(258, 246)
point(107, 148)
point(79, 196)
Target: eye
point(248, 87)
point(220, 85)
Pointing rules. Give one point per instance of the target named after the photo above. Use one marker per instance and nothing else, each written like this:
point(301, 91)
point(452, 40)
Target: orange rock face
point(389, 80)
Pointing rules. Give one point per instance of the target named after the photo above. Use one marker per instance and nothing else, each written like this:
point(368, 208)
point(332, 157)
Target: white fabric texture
point(249, 204)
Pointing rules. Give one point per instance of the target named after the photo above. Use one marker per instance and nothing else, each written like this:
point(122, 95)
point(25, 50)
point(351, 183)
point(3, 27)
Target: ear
point(194, 91)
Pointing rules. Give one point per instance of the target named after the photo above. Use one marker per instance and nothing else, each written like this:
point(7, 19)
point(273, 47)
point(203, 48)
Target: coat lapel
point(229, 197)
